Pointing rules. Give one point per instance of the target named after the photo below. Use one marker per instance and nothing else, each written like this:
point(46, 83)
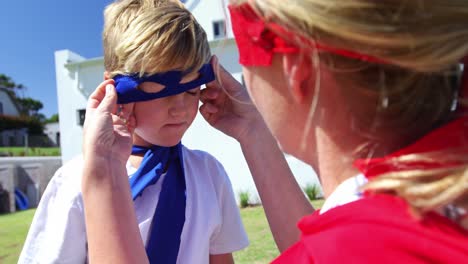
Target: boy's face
point(164, 121)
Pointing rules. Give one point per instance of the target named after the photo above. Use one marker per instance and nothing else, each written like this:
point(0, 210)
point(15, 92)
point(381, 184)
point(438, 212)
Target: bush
point(312, 191)
point(244, 198)
point(15, 122)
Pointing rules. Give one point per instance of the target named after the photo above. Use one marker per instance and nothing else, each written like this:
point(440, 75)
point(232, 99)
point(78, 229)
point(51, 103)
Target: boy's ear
point(297, 70)
point(106, 75)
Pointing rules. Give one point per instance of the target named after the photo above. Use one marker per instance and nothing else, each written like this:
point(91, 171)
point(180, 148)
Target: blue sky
point(31, 31)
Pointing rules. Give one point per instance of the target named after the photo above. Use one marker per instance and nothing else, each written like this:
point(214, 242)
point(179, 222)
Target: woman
point(370, 94)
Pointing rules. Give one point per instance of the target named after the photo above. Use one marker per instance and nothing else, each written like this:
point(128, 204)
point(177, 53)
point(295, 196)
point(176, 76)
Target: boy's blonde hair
point(152, 36)
point(422, 43)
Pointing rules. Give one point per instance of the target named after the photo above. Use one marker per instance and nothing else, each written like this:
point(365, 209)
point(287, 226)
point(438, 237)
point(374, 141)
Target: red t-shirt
point(377, 229)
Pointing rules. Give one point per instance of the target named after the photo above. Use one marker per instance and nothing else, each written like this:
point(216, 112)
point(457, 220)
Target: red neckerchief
point(452, 136)
point(258, 40)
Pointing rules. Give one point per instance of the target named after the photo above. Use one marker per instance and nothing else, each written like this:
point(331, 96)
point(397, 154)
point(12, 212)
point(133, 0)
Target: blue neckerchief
point(126, 84)
point(169, 217)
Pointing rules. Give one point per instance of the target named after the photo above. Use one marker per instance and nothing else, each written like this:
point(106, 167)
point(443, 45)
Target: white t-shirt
point(212, 226)
point(348, 191)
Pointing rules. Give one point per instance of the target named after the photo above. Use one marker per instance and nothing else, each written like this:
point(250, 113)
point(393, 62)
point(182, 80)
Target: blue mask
point(126, 85)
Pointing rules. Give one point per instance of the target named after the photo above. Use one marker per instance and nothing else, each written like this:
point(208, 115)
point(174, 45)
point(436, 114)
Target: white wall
point(207, 11)
point(70, 99)
point(30, 174)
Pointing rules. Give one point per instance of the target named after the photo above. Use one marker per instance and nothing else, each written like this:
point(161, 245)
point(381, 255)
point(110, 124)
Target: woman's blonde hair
point(152, 36)
point(413, 92)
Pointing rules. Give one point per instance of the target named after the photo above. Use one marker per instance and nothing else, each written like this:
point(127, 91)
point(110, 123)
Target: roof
point(6, 90)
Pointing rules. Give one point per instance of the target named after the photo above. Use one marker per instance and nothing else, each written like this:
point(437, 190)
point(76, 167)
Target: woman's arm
point(111, 227)
point(221, 259)
point(235, 115)
point(282, 197)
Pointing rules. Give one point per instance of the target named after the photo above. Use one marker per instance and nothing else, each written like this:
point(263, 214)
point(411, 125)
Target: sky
point(31, 32)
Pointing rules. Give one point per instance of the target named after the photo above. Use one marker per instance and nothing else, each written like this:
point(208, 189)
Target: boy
point(148, 45)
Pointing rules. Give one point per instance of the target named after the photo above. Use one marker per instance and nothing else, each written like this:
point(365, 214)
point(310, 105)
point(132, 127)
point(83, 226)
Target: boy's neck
point(137, 140)
point(135, 161)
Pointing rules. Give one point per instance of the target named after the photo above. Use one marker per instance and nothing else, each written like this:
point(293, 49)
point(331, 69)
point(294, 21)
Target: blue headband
point(126, 85)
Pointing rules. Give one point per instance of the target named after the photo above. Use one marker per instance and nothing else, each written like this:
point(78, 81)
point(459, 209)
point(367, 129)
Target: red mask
point(258, 40)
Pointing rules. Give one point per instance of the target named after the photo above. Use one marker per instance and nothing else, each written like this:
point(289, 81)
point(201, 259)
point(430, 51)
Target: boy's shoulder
point(68, 177)
point(203, 164)
point(198, 155)
point(71, 168)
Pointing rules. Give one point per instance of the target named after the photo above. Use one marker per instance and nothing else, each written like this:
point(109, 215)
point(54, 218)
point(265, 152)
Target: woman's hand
point(108, 128)
point(227, 106)
point(109, 211)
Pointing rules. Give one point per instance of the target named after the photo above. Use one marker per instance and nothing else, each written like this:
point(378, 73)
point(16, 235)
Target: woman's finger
point(209, 94)
point(131, 123)
point(95, 100)
point(125, 110)
point(206, 114)
point(96, 97)
point(109, 102)
point(209, 108)
point(223, 78)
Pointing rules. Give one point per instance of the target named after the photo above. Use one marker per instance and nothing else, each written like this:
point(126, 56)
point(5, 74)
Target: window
point(219, 29)
point(57, 139)
point(80, 116)
point(1, 108)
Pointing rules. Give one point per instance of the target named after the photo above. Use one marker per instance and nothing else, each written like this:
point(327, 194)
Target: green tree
point(53, 119)
point(40, 117)
point(7, 82)
point(29, 106)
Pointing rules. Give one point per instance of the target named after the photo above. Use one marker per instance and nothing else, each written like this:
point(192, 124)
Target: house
point(52, 130)
point(77, 77)
point(8, 109)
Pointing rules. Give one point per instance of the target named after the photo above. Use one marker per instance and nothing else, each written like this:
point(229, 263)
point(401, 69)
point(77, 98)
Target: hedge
point(17, 122)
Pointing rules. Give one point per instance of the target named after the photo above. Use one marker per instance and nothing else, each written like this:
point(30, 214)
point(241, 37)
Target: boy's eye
point(193, 91)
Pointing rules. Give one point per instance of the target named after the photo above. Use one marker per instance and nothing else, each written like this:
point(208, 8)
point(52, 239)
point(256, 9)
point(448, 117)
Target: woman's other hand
point(108, 128)
point(227, 105)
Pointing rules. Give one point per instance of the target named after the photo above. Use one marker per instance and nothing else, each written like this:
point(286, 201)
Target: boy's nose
point(178, 106)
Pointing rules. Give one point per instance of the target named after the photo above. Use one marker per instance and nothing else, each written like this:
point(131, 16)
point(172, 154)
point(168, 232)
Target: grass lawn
point(13, 230)
point(20, 151)
point(262, 249)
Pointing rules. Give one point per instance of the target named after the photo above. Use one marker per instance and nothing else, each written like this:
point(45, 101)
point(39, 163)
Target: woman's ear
point(106, 75)
point(297, 70)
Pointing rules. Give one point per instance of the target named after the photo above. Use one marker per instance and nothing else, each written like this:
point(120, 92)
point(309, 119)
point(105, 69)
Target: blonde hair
point(413, 92)
point(152, 36)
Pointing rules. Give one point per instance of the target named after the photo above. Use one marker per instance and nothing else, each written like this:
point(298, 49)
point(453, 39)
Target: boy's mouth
point(176, 125)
